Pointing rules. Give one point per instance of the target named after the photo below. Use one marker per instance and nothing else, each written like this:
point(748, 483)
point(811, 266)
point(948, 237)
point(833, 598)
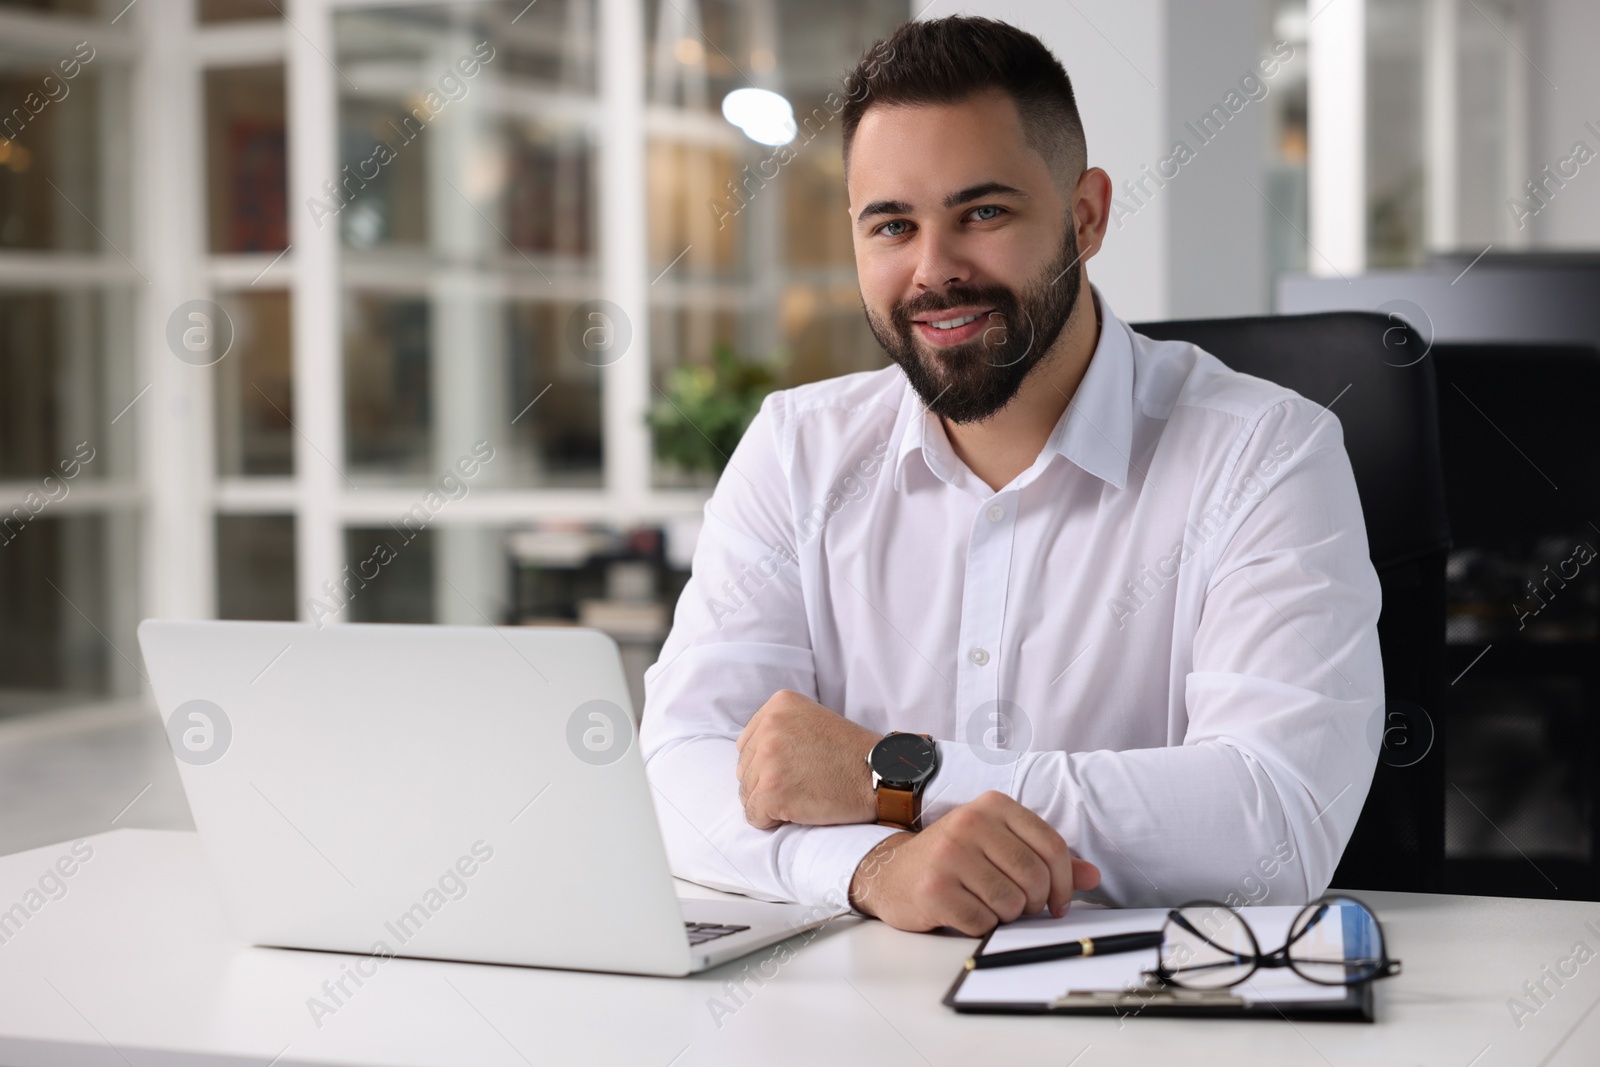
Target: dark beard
point(973, 381)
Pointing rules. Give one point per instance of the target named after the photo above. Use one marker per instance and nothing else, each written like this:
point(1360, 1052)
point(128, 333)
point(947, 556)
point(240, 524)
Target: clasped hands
point(985, 862)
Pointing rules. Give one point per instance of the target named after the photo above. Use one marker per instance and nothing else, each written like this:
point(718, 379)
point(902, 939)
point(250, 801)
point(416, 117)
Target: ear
point(1091, 210)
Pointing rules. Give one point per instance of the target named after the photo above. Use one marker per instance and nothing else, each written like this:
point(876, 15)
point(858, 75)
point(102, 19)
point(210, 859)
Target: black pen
point(1084, 946)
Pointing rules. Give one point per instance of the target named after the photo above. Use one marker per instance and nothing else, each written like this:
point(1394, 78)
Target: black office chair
point(1521, 457)
point(1373, 369)
point(1521, 451)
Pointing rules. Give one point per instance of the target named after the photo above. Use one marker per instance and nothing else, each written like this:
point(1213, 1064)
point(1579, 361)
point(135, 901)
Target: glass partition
point(468, 215)
point(749, 239)
point(246, 159)
point(69, 531)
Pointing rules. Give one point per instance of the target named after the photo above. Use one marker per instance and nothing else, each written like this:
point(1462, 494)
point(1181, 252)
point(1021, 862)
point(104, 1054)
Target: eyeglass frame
point(1387, 967)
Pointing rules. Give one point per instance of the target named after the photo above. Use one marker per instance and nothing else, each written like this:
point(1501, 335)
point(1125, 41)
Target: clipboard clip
point(1135, 1000)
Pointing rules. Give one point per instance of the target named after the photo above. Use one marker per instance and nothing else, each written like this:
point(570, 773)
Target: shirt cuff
point(826, 858)
point(964, 775)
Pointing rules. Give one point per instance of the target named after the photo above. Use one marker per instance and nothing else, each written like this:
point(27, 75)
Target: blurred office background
point(378, 316)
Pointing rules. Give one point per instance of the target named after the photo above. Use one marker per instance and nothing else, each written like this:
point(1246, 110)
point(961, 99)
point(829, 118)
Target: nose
point(941, 265)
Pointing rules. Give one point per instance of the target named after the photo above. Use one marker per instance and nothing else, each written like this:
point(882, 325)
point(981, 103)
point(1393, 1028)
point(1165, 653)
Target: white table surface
point(134, 966)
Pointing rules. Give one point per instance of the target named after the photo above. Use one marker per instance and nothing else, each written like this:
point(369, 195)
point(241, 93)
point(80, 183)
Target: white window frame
point(322, 504)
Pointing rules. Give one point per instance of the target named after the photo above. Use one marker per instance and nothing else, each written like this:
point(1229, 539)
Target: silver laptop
point(451, 792)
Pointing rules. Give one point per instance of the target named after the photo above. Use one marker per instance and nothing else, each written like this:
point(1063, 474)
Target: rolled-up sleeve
point(739, 635)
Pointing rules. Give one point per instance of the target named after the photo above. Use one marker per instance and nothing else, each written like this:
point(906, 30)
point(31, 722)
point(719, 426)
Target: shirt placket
point(983, 608)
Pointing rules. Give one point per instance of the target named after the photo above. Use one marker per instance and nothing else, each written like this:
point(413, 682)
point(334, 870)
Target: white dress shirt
point(1160, 637)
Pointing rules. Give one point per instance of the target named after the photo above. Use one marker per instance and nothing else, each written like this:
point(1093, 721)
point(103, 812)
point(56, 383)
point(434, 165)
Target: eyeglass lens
point(1336, 941)
point(1207, 946)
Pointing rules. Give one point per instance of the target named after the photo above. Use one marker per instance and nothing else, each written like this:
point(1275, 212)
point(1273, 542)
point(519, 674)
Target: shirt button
point(996, 513)
point(978, 656)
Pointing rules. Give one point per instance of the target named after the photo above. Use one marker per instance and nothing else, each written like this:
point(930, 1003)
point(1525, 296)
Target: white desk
point(134, 966)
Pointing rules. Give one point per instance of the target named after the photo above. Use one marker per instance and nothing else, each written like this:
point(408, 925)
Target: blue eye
point(973, 215)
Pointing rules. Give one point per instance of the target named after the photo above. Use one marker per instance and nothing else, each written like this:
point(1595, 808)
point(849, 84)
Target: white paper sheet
point(1032, 983)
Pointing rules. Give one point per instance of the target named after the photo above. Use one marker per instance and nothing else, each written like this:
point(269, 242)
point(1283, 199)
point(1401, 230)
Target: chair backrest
point(1520, 437)
point(1521, 448)
point(1373, 372)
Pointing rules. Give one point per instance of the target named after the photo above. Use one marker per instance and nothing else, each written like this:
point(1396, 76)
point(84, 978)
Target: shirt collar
point(1095, 431)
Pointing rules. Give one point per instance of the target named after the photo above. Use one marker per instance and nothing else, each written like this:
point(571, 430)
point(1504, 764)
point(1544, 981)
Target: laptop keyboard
point(700, 933)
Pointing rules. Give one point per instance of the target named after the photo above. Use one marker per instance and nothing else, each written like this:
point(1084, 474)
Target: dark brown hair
point(948, 60)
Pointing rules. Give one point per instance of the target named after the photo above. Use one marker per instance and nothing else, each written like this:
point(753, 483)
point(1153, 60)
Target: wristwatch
point(901, 765)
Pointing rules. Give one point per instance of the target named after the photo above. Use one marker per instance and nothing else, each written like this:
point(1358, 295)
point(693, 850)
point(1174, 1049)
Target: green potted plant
point(704, 410)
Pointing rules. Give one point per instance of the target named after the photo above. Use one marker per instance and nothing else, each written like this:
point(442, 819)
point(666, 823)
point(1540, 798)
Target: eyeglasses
point(1333, 941)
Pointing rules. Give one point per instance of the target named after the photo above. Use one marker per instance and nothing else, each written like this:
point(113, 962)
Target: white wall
point(1115, 53)
point(1197, 245)
point(1566, 34)
point(1217, 224)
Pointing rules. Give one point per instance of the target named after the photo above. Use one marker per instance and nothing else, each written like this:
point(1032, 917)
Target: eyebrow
point(965, 196)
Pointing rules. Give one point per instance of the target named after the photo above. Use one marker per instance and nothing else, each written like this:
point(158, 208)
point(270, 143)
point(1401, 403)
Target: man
point(1123, 590)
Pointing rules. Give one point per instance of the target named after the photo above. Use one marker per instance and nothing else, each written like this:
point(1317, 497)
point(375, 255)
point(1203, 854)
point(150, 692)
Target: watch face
point(903, 759)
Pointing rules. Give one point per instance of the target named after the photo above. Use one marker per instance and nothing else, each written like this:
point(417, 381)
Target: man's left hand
point(803, 763)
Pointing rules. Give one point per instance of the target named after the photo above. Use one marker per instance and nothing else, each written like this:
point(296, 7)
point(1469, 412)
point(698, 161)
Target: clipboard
point(1116, 984)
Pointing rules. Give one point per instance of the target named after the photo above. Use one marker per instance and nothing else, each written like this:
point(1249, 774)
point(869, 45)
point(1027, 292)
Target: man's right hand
point(986, 862)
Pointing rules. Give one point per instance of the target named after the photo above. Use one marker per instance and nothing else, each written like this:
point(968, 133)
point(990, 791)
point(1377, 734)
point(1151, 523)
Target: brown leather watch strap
point(898, 807)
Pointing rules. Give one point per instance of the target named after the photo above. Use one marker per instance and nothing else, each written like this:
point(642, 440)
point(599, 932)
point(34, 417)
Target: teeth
point(950, 324)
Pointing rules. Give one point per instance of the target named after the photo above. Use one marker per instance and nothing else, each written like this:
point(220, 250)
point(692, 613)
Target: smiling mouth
point(951, 324)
